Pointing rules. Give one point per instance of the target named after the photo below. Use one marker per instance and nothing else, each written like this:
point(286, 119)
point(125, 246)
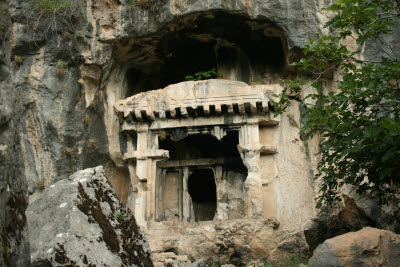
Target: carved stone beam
point(230, 109)
point(253, 108)
point(206, 109)
point(242, 109)
point(149, 114)
point(265, 106)
point(162, 115)
point(218, 109)
point(184, 112)
point(172, 111)
point(138, 115)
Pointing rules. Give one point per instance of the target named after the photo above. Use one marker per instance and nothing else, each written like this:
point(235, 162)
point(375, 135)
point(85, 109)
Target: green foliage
point(204, 75)
point(120, 216)
point(80, 33)
point(53, 13)
point(213, 263)
point(53, 6)
point(359, 123)
point(62, 64)
point(152, 5)
point(290, 262)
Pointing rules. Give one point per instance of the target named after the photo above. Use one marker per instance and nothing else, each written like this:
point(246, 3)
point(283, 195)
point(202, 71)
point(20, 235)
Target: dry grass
point(92, 144)
point(67, 36)
point(18, 60)
point(86, 120)
point(66, 152)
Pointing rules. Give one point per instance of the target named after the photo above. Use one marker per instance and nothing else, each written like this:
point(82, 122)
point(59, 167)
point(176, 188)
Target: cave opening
point(202, 190)
point(208, 166)
point(202, 146)
point(241, 49)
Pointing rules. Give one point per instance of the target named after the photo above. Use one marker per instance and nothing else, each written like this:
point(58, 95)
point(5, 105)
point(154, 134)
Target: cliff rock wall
point(69, 123)
point(14, 245)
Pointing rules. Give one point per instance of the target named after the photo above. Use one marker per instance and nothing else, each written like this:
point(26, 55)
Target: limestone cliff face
point(69, 123)
point(14, 246)
point(69, 72)
point(62, 76)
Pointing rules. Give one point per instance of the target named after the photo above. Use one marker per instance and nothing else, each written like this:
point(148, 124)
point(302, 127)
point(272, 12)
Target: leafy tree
point(358, 122)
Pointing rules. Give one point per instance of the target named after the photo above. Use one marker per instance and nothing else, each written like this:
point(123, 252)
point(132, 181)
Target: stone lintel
point(235, 120)
point(194, 162)
point(263, 149)
point(153, 154)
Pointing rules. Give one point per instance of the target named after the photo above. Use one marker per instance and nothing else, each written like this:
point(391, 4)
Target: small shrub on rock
point(92, 144)
point(66, 152)
point(86, 120)
point(56, 12)
point(204, 75)
point(18, 60)
point(61, 66)
point(120, 216)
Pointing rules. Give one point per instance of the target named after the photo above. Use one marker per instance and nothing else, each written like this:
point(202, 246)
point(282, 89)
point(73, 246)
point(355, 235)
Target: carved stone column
point(143, 173)
point(249, 148)
point(221, 212)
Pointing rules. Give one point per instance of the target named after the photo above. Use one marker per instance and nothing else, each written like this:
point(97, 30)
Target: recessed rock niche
point(241, 49)
point(201, 152)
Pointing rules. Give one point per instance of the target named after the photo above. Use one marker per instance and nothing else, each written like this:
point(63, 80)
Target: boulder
point(79, 221)
point(367, 247)
point(331, 221)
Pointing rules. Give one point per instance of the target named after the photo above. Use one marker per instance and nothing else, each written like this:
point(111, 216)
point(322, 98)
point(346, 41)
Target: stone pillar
point(143, 174)
point(133, 185)
point(188, 214)
point(249, 148)
point(220, 182)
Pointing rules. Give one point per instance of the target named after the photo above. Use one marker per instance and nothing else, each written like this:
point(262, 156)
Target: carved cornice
point(196, 99)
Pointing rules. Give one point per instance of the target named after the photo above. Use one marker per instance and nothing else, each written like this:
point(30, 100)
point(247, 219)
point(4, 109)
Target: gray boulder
point(367, 247)
point(79, 221)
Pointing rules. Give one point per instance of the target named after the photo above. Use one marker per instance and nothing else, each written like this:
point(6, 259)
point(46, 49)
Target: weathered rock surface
point(236, 241)
point(193, 94)
point(179, 263)
point(342, 218)
point(80, 221)
point(70, 123)
point(114, 50)
point(14, 246)
point(367, 247)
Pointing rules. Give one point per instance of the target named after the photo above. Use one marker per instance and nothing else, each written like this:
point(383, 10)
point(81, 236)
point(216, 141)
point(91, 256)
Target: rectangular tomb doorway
point(202, 175)
point(203, 192)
